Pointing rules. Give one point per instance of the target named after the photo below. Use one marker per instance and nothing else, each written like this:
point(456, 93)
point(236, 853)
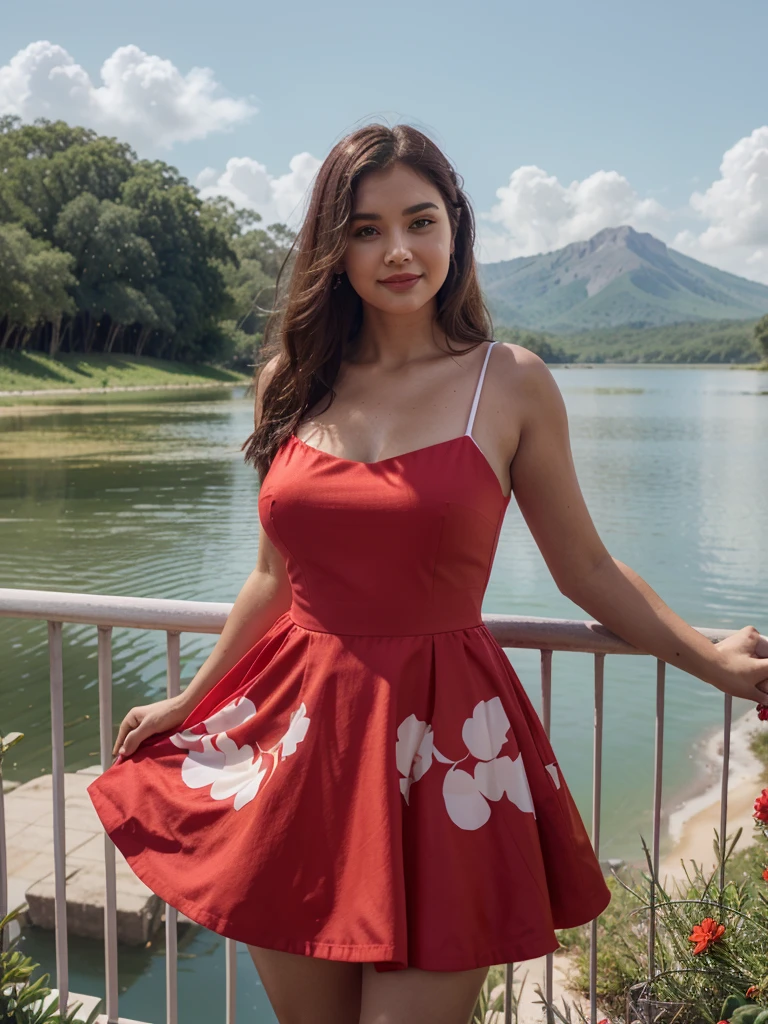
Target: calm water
point(154, 500)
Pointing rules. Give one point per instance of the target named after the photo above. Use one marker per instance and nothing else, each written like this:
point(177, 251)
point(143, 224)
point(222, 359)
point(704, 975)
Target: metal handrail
point(175, 616)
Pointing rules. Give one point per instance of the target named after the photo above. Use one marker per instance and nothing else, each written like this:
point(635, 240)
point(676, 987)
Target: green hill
point(618, 278)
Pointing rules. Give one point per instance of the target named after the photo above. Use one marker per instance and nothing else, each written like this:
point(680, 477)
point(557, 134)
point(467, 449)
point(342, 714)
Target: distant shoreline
point(54, 391)
point(37, 376)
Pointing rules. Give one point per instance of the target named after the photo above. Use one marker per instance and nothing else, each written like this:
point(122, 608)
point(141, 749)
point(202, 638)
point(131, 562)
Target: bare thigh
point(419, 997)
point(308, 990)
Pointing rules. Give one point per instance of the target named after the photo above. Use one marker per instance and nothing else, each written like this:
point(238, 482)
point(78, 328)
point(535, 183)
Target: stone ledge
point(30, 858)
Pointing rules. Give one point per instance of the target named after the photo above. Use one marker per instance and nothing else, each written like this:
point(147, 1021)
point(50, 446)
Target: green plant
point(709, 947)
point(487, 1008)
point(21, 999)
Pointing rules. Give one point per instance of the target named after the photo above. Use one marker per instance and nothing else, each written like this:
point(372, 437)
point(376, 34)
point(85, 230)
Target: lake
point(152, 498)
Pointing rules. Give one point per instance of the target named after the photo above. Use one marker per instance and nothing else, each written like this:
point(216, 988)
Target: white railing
point(106, 612)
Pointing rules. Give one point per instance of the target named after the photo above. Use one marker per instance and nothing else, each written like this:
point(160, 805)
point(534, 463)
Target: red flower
point(706, 933)
point(762, 712)
point(765, 874)
point(751, 992)
point(761, 807)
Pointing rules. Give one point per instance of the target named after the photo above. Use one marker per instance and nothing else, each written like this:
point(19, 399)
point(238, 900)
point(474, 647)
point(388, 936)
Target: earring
point(337, 282)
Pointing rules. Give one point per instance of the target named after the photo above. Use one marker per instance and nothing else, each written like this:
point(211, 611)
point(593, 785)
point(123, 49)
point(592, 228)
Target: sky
point(562, 118)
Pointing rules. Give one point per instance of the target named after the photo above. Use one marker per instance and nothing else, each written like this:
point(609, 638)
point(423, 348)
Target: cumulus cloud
point(248, 184)
point(735, 207)
point(724, 225)
point(537, 213)
point(142, 98)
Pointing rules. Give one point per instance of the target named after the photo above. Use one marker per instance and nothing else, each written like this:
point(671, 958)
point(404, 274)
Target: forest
point(102, 252)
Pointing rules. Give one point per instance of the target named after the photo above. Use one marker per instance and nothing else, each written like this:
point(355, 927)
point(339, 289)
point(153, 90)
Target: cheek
point(436, 251)
point(359, 259)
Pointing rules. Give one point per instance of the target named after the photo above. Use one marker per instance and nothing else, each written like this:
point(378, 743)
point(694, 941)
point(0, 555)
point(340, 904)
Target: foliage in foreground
point(709, 974)
point(21, 999)
point(710, 943)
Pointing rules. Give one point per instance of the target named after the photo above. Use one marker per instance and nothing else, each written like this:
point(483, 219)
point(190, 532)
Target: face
point(399, 226)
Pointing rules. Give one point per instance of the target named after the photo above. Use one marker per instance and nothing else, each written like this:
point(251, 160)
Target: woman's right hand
point(146, 720)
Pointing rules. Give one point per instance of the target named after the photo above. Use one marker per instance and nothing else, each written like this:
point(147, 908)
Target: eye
point(419, 220)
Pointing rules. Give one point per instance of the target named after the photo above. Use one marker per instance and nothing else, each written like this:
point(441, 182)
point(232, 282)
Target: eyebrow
point(410, 209)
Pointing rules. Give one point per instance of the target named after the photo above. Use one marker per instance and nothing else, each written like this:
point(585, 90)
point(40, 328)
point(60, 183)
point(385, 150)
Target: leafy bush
point(21, 999)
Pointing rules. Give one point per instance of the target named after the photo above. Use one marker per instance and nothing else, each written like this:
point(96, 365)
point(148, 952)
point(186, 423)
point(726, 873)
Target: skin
point(405, 390)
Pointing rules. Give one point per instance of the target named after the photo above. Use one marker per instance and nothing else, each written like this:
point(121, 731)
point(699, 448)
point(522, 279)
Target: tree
point(109, 252)
point(113, 265)
point(761, 335)
point(34, 286)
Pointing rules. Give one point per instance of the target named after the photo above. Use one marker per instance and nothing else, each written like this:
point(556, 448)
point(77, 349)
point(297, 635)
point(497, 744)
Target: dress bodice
point(399, 546)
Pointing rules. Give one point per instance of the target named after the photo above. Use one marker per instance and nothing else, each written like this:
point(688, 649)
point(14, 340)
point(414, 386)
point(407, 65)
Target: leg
point(419, 997)
point(308, 990)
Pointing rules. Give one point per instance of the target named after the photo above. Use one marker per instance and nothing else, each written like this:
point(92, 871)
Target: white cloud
point(143, 99)
point(736, 209)
point(248, 184)
point(725, 225)
point(536, 213)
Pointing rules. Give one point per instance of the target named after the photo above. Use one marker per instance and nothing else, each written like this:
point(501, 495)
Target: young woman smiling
point(355, 783)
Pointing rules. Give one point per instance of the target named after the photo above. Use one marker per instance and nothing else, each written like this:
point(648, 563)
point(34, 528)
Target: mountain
point(619, 277)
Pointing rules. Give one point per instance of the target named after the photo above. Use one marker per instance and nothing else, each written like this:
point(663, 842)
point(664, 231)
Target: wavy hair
point(313, 325)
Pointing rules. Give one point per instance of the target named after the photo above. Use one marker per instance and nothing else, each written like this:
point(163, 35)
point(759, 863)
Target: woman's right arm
point(264, 596)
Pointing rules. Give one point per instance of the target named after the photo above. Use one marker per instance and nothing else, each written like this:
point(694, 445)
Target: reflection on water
point(153, 499)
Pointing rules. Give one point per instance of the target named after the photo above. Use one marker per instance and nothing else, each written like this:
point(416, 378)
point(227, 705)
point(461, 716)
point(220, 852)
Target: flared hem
point(380, 955)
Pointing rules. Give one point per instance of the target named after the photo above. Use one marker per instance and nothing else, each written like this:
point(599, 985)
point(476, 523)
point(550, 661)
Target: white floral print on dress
point(215, 759)
point(466, 795)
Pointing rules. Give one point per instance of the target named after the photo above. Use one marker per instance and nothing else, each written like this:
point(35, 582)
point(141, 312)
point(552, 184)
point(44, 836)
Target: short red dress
point(370, 782)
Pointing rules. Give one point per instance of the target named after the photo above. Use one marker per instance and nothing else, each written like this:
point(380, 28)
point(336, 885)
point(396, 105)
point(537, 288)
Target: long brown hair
point(317, 324)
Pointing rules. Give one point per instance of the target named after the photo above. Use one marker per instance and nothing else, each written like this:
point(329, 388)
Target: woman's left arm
point(548, 494)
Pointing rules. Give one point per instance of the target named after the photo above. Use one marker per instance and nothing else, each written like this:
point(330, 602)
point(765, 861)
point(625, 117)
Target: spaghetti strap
point(478, 389)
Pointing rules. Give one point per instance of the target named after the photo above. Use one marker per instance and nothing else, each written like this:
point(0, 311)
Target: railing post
point(597, 782)
point(106, 743)
point(657, 784)
point(173, 687)
point(55, 656)
point(546, 718)
point(727, 717)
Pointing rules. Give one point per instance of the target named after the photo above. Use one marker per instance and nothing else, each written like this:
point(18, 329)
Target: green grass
point(33, 371)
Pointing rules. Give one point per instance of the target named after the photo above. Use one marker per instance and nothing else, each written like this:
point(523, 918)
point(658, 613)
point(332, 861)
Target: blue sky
point(562, 118)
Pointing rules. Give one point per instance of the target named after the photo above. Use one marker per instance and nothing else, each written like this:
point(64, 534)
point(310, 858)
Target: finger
point(121, 734)
point(136, 736)
point(127, 746)
point(130, 721)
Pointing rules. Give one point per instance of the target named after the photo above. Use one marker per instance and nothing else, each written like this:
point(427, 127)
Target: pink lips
point(401, 282)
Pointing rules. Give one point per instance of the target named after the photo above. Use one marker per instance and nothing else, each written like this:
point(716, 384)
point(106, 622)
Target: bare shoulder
point(522, 366)
point(266, 373)
point(524, 377)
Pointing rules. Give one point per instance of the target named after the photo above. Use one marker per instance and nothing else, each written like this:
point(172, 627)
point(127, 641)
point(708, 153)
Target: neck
point(391, 340)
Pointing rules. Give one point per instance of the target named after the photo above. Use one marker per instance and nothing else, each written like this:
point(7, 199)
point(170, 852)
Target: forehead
point(396, 187)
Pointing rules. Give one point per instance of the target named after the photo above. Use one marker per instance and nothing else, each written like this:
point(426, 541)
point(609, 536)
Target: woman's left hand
point(743, 665)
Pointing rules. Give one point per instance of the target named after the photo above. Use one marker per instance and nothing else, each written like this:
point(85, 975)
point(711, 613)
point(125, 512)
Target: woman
point(355, 783)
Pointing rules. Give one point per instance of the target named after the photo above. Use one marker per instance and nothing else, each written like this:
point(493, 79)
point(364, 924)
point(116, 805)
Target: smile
point(401, 286)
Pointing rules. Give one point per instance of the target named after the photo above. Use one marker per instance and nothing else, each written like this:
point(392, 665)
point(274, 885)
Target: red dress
point(370, 782)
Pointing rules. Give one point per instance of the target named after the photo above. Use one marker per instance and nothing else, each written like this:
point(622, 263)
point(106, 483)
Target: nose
point(398, 251)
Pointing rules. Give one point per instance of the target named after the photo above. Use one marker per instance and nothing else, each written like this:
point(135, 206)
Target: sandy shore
point(691, 826)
